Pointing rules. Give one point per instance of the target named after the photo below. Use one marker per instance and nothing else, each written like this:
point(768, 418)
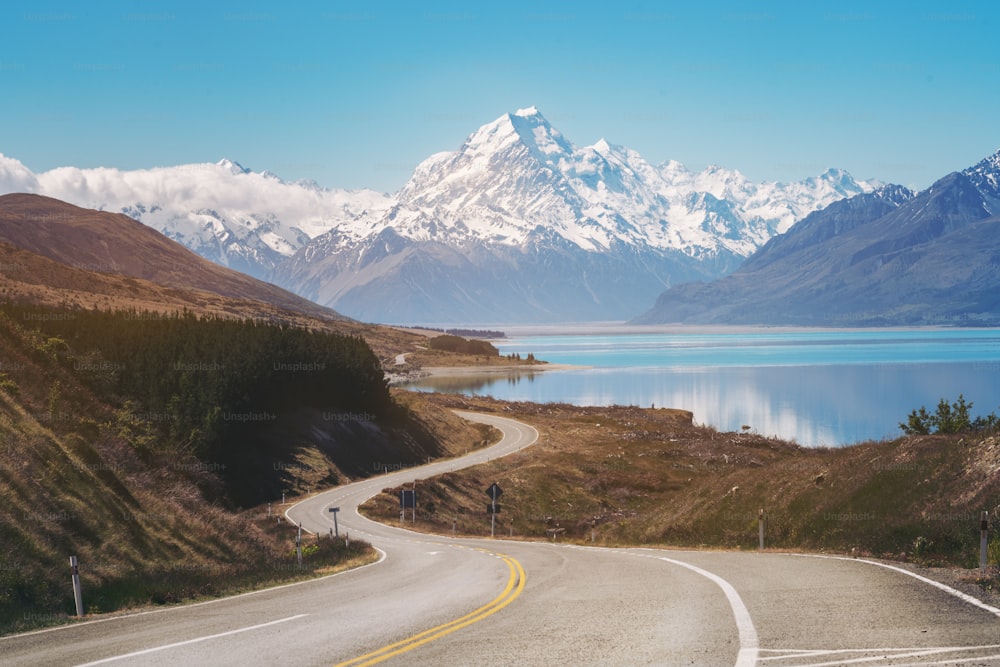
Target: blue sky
point(355, 94)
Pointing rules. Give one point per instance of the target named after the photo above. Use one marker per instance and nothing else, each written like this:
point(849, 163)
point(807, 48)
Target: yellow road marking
point(515, 584)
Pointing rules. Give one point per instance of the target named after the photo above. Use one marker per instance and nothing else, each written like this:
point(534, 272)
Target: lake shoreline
point(820, 388)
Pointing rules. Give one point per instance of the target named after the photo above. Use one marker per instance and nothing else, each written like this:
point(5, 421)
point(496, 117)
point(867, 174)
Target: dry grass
point(627, 476)
point(148, 528)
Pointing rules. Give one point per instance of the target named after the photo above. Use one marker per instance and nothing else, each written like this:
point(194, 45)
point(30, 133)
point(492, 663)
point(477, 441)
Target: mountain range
point(56, 253)
point(889, 257)
point(517, 225)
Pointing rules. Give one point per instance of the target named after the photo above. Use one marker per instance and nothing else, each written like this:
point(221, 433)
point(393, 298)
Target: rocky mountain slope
point(93, 244)
point(890, 257)
point(518, 224)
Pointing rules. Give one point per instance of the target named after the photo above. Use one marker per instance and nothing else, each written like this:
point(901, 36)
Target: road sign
point(492, 508)
point(407, 498)
point(336, 528)
point(494, 491)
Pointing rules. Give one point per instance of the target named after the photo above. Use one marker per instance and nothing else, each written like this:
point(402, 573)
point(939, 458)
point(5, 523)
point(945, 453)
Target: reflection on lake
point(817, 388)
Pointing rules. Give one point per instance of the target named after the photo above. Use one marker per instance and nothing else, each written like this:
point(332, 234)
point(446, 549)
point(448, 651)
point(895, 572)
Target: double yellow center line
point(515, 584)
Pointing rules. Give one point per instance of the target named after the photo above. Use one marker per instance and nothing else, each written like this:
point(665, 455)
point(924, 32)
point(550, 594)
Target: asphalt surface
point(441, 601)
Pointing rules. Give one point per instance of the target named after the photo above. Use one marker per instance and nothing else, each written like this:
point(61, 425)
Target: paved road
point(440, 601)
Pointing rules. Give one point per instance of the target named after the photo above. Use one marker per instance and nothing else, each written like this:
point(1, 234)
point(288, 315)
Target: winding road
point(434, 600)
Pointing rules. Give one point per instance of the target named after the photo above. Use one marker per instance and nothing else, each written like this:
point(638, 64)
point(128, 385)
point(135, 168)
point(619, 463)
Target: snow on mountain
point(891, 257)
point(986, 177)
point(518, 173)
point(223, 211)
point(519, 223)
point(516, 196)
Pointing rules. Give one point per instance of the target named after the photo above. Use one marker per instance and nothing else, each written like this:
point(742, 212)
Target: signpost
point(984, 538)
point(408, 498)
point(494, 492)
point(336, 529)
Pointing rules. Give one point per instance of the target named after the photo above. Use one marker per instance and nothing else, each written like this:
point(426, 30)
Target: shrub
point(949, 418)
point(461, 345)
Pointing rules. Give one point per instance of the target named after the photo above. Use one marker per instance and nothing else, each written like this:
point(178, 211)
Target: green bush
point(949, 418)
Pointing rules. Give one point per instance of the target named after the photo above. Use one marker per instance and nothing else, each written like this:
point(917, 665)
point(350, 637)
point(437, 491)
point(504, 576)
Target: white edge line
point(165, 647)
point(749, 642)
point(965, 597)
point(920, 653)
point(124, 616)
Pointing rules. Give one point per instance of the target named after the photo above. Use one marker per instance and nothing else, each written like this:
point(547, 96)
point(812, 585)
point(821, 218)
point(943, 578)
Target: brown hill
point(623, 475)
point(98, 242)
point(56, 254)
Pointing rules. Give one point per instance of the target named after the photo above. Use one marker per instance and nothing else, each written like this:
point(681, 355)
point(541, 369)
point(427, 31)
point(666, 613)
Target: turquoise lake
point(816, 387)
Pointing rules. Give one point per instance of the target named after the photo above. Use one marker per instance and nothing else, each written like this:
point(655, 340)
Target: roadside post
point(298, 545)
point(77, 590)
point(408, 498)
point(494, 492)
point(336, 529)
point(984, 535)
point(760, 529)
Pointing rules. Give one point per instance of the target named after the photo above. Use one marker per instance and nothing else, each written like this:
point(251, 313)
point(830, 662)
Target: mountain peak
point(524, 126)
point(985, 175)
point(602, 146)
point(232, 166)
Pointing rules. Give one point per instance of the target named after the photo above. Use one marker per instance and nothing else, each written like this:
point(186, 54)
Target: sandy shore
point(499, 368)
point(460, 371)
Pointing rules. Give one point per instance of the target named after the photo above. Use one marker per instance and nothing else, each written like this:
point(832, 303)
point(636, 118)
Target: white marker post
point(760, 529)
point(77, 590)
point(298, 545)
point(984, 538)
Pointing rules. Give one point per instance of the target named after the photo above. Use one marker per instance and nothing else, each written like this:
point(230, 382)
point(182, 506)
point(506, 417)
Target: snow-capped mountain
point(225, 212)
point(520, 224)
point(518, 173)
point(891, 257)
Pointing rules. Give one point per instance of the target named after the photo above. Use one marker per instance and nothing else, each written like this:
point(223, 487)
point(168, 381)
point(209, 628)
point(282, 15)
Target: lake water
point(816, 387)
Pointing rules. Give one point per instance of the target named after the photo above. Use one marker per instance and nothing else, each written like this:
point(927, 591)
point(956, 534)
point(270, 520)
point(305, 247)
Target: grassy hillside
point(123, 441)
point(114, 244)
point(34, 279)
point(626, 476)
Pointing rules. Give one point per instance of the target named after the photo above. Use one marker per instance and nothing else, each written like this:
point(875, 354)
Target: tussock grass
point(629, 476)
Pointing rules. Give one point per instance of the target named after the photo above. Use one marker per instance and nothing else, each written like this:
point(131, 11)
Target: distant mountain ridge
point(225, 212)
point(518, 224)
point(86, 242)
point(890, 257)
